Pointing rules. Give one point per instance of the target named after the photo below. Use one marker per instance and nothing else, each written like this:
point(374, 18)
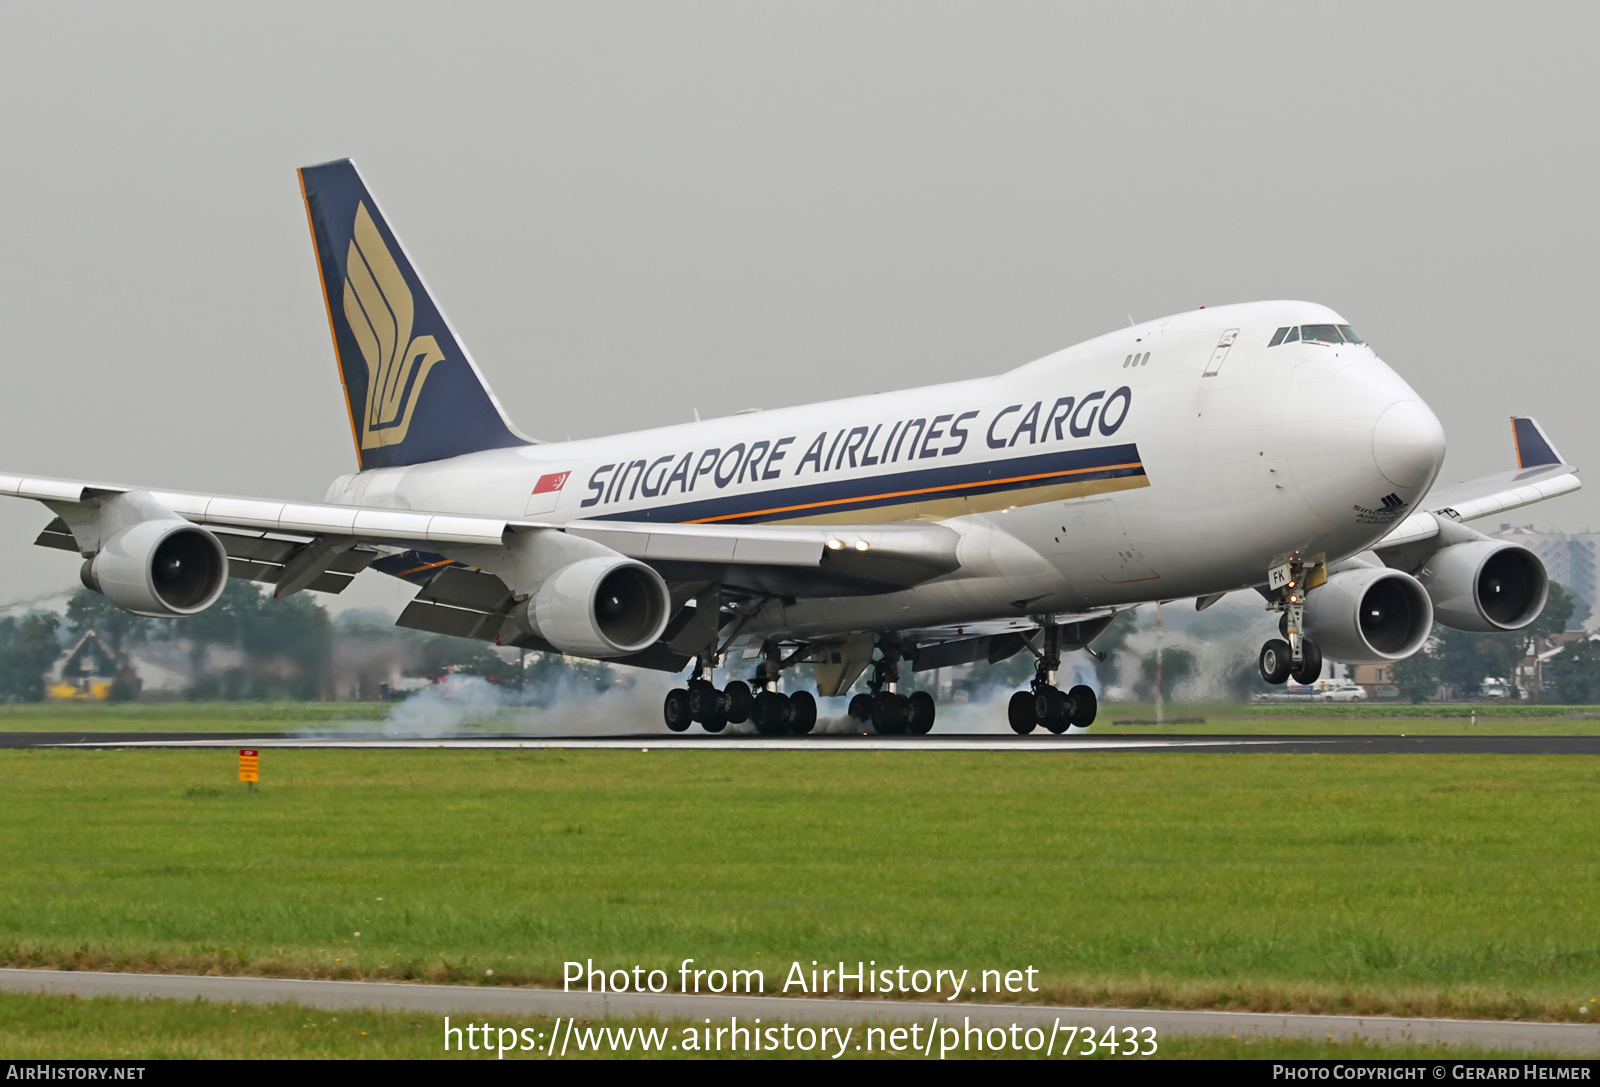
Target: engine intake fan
point(1369, 615)
point(1485, 586)
point(162, 569)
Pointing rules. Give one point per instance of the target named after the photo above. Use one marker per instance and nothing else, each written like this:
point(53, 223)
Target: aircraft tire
point(1274, 662)
point(861, 708)
point(1020, 713)
point(1052, 709)
point(803, 713)
point(1310, 669)
point(738, 700)
point(705, 702)
point(770, 714)
point(716, 723)
point(921, 712)
point(676, 710)
point(889, 713)
point(1085, 704)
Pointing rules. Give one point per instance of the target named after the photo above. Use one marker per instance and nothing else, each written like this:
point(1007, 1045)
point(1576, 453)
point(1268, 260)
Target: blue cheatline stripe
point(899, 488)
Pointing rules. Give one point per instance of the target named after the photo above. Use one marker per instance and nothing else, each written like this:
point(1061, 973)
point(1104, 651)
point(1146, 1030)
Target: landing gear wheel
point(1274, 661)
point(676, 710)
point(920, 718)
point(1020, 713)
point(802, 712)
point(738, 700)
point(1310, 668)
point(1052, 709)
point(861, 708)
point(1085, 706)
point(889, 712)
point(705, 702)
point(770, 714)
point(715, 723)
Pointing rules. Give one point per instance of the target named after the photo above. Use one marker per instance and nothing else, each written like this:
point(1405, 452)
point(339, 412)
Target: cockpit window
point(1316, 334)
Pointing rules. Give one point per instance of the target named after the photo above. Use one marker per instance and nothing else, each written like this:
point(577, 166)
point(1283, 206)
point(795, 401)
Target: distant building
point(1569, 557)
point(84, 673)
point(1376, 679)
point(150, 671)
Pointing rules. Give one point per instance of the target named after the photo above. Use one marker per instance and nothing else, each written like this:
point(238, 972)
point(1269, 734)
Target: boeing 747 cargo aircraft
point(1262, 447)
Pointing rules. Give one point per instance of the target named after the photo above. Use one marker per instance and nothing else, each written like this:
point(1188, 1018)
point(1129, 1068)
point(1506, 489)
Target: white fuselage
point(1156, 462)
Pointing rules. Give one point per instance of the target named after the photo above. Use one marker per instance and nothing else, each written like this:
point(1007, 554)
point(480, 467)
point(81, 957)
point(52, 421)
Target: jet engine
point(1485, 586)
point(1368, 615)
point(600, 607)
point(160, 568)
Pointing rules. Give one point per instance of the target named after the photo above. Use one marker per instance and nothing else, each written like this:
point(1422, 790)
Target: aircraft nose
point(1408, 444)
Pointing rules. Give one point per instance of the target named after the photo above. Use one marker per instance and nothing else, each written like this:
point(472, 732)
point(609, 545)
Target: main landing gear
point(771, 712)
point(1043, 703)
point(890, 712)
point(1293, 655)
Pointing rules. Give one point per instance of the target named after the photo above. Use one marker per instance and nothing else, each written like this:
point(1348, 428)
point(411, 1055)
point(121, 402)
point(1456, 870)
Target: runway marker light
point(249, 766)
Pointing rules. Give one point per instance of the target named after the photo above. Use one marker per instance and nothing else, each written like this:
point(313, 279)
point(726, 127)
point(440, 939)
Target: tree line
point(273, 649)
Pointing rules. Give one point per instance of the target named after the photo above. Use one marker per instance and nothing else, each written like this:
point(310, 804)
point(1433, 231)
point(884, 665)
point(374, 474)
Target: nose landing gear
point(1293, 655)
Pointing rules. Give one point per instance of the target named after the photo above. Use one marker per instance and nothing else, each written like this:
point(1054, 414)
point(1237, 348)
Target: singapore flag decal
point(545, 493)
point(553, 482)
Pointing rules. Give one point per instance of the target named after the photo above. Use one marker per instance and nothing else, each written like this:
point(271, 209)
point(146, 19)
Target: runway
point(1351, 744)
point(1545, 1039)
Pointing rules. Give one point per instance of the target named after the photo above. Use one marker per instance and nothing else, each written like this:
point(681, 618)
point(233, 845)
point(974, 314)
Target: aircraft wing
point(1540, 474)
point(320, 546)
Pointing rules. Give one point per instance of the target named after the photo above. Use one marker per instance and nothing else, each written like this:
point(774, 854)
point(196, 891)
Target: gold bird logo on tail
point(378, 308)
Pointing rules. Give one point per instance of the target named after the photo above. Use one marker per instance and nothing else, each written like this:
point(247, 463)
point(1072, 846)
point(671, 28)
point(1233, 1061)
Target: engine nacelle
point(161, 569)
point(1368, 615)
point(1485, 586)
point(600, 607)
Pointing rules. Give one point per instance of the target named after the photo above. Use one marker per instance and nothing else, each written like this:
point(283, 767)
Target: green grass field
point(261, 717)
point(1457, 885)
point(1382, 719)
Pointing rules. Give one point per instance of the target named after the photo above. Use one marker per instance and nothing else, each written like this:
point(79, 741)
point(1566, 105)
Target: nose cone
point(1356, 438)
point(1408, 444)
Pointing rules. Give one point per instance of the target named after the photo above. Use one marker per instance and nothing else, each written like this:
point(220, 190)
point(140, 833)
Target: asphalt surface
point(1540, 1038)
point(1354, 744)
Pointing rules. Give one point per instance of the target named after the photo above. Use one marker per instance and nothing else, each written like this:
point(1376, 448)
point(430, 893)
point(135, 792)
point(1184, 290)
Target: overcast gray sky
point(631, 211)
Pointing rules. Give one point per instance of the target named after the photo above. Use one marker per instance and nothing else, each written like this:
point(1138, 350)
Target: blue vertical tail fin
point(413, 392)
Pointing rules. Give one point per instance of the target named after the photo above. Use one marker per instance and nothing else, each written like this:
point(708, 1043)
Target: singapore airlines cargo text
point(845, 979)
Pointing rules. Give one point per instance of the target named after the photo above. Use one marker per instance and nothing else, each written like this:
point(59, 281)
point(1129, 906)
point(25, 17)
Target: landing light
point(835, 545)
point(862, 545)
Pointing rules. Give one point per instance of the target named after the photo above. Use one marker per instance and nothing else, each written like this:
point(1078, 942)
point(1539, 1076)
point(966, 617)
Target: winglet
point(1534, 450)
